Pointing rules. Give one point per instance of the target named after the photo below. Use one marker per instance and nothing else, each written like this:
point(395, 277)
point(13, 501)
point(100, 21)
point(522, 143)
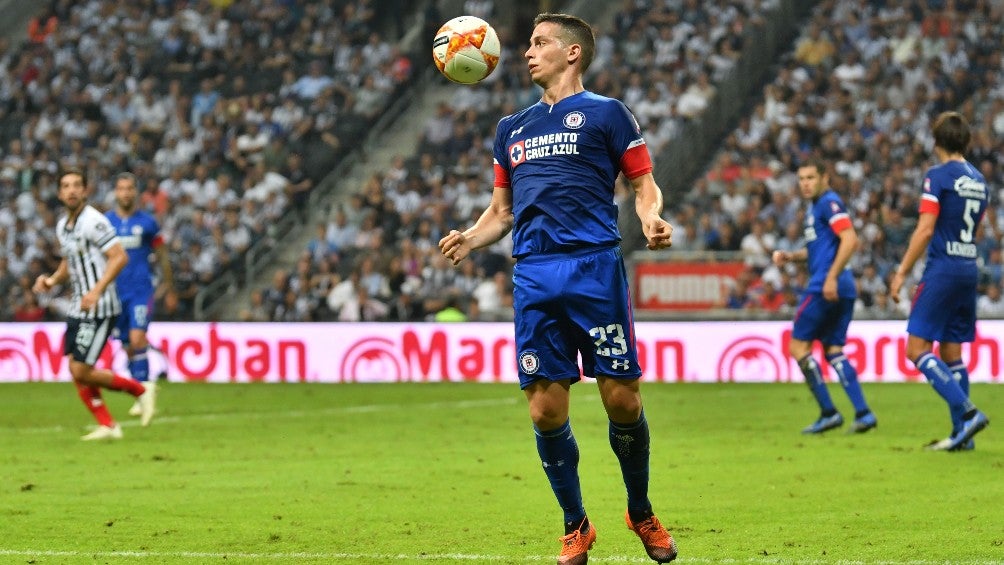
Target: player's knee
point(914, 352)
point(81, 372)
point(798, 349)
point(624, 406)
point(547, 418)
point(137, 342)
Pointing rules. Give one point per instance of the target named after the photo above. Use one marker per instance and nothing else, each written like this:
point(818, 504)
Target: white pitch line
point(360, 409)
point(384, 557)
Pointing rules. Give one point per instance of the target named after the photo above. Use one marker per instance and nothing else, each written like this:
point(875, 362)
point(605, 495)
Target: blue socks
point(849, 380)
point(814, 378)
point(961, 376)
point(630, 443)
point(940, 377)
point(559, 455)
point(139, 366)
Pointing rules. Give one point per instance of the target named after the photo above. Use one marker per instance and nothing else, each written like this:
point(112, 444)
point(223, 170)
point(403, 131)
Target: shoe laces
point(652, 530)
point(574, 542)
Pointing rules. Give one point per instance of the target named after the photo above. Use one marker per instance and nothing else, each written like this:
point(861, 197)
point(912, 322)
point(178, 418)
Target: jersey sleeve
point(101, 233)
point(501, 156)
point(154, 233)
point(626, 142)
point(838, 217)
point(929, 201)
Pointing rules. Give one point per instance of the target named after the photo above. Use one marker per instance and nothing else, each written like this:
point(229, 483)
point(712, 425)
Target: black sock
point(638, 516)
point(582, 526)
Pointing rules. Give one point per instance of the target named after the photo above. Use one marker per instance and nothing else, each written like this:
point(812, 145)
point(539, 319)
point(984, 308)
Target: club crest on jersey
point(529, 362)
point(517, 153)
point(574, 120)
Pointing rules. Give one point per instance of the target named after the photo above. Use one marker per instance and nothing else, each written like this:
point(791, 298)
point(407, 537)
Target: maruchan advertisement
point(470, 352)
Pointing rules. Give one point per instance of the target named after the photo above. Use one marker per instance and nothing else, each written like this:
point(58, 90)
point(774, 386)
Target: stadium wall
point(470, 352)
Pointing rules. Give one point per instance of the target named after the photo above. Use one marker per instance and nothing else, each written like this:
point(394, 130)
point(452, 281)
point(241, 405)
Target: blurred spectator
point(360, 307)
point(28, 309)
point(451, 312)
point(991, 303)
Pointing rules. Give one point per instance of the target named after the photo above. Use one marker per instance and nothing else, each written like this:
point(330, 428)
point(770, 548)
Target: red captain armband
point(840, 222)
point(501, 177)
point(158, 240)
point(636, 161)
point(929, 206)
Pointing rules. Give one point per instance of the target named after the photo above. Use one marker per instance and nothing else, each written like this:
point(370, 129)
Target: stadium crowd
point(858, 89)
point(377, 258)
point(227, 112)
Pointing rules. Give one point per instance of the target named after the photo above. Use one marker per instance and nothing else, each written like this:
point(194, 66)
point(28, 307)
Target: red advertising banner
point(683, 285)
point(473, 352)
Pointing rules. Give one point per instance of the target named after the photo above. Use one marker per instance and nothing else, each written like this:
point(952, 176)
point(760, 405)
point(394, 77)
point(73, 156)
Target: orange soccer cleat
point(658, 543)
point(576, 545)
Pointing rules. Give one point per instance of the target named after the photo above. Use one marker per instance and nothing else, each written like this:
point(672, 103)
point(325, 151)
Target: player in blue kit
point(827, 304)
point(140, 236)
point(556, 163)
point(952, 204)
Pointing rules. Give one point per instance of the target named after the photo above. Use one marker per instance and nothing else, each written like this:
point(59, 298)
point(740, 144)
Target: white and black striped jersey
point(83, 245)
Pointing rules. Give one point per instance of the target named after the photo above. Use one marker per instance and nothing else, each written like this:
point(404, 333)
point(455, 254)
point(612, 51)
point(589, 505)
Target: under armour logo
point(516, 131)
point(621, 364)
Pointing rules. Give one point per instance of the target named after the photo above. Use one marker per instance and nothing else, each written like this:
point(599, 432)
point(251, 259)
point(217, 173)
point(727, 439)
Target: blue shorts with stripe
point(818, 318)
point(944, 308)
point(137, 309)
point(569, 305)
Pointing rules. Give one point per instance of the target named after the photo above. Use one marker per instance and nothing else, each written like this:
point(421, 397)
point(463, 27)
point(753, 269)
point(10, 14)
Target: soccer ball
point(466, 49)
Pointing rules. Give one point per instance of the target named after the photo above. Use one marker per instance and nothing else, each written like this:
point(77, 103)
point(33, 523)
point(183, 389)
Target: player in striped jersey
point(944, 303)
point(92, 258)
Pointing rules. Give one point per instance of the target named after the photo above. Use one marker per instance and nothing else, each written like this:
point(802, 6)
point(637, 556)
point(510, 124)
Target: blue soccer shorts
point(137, 310)
point(573, 304)
point(944, 309)
point(818, 318)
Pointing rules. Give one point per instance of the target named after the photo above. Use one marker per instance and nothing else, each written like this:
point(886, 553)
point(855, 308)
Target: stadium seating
point(228, 113)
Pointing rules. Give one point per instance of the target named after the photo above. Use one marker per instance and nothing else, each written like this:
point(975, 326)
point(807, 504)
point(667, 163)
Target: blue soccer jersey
point(139, 235)
point(571, 294)
point(944, 304)
point(957, 193)
point(561, 162)
point(826, 218)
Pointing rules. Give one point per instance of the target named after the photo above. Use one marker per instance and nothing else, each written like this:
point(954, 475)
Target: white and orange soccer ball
point(466, 49)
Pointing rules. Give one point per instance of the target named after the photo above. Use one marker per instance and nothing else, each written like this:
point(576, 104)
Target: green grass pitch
point(448, 473)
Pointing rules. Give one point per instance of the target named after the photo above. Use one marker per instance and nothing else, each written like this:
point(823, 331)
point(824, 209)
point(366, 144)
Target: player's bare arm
point(648, 205)
point(921, 237)
point(848, 244)
point(167, 278)
point(495, 222)
point(117, 259)
point(44, 283)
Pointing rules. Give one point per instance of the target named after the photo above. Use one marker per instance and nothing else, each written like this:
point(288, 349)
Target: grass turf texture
point(448, 473)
